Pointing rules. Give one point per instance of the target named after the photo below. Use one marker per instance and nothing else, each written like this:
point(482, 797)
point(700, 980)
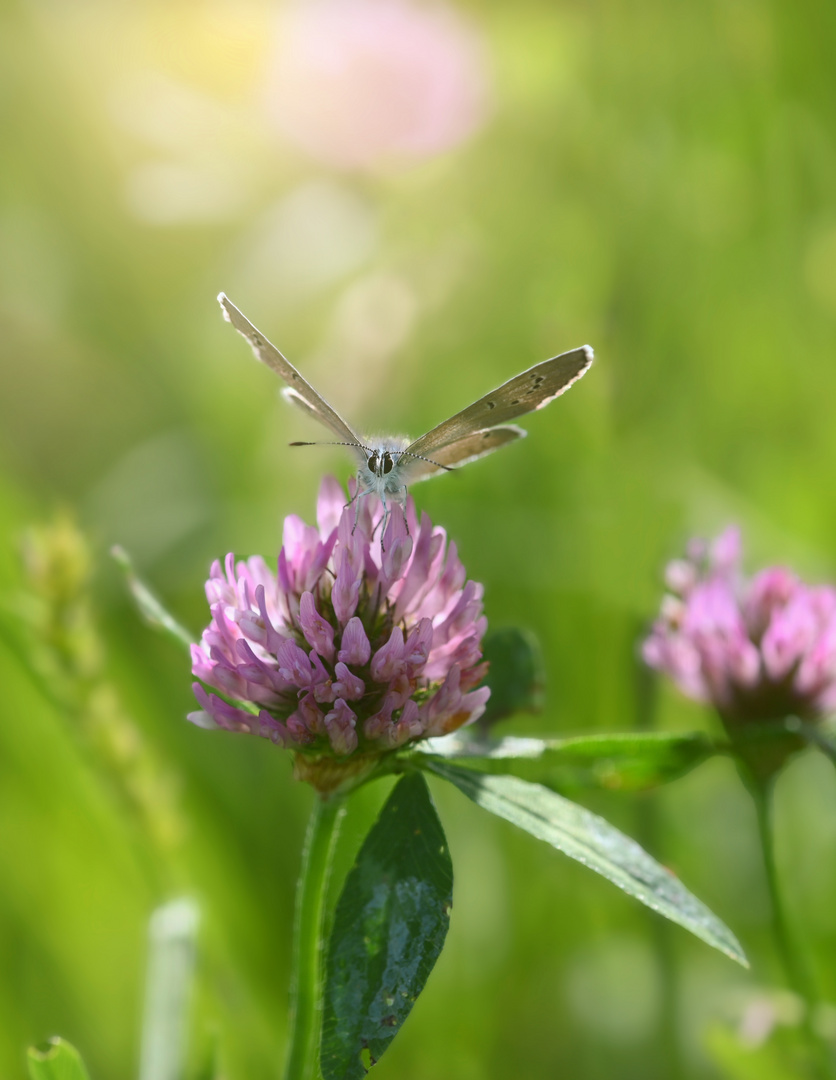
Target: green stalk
point(797, 975)
point(306, 987)
point(645, 696)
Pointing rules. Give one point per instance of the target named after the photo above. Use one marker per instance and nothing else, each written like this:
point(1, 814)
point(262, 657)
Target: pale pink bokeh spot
point(365, 83)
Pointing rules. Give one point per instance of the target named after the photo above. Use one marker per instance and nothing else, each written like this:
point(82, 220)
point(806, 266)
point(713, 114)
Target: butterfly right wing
point(460, 452)
point(525, 393)
point(299, 392)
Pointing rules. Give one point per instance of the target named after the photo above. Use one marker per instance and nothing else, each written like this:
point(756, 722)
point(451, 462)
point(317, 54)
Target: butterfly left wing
point(299, 392)
point(525, 393)
point(460, 452)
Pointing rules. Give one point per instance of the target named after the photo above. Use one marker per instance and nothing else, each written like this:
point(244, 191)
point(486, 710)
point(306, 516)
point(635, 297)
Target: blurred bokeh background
point(414, 202)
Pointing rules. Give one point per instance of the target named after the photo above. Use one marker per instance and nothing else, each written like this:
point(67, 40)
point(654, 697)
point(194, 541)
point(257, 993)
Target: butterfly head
point(381, 462)
point(379, 469)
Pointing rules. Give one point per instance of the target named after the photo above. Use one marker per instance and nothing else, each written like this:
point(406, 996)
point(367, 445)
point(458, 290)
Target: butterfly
point(387, 466)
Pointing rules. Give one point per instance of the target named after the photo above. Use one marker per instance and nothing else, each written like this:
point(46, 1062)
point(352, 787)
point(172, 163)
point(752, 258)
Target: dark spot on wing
point(491, 404)
point(257, 341)
point(538, 379)
point(486, 434)
point(516, 401)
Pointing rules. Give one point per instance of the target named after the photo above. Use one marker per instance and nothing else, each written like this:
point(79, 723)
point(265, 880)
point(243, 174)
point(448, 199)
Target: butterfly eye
point(388, 463)
point(373, 463)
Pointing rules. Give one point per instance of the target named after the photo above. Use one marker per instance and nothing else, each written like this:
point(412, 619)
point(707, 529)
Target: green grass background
point(656, 179)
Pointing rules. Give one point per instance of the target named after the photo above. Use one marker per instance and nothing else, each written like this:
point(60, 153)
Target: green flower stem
point(306, 991)
point(797, 975)
point(645, 696)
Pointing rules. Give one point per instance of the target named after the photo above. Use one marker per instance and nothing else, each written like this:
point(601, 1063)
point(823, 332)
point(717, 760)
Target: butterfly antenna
point(368, 449)
point(357, 444)
point(438, 465)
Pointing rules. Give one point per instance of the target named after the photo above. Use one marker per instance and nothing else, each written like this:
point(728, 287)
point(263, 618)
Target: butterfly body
point(379, 470)
point(387, 466)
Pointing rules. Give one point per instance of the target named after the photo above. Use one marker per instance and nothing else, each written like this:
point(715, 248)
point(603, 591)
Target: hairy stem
point(795, 970)
point(306, 990)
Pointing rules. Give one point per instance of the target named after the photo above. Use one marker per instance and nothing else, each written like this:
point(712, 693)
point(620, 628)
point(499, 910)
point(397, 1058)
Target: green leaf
point(591, 840)
point(631, 762)
point(516, 673)
point(150, 607)
point(56, 1060)
point(389, 927)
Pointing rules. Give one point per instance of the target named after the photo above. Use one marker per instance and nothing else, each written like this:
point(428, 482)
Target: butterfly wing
point(459, 452)
point(299, 392)
point(525, 393)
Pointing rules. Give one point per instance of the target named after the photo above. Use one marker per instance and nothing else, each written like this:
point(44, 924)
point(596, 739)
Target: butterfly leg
point(385, 519)
point(399, 499)
point(355, 498)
